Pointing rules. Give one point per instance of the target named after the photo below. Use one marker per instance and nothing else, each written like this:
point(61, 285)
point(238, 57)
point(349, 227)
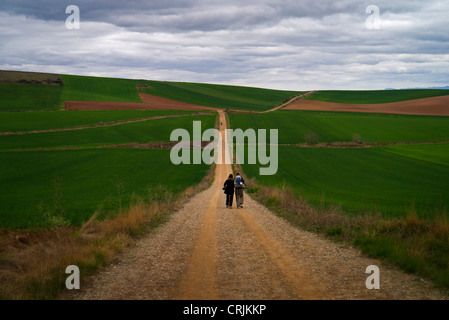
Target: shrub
point(311, 138)
point(357, 138)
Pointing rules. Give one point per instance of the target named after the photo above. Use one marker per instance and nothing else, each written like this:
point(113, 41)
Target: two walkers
point(232, 185)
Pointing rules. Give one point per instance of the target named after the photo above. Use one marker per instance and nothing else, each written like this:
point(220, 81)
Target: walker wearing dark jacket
point(229, 190)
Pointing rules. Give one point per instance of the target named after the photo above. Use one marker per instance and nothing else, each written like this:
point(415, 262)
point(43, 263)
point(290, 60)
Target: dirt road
point(209, 252)
point(290, 101)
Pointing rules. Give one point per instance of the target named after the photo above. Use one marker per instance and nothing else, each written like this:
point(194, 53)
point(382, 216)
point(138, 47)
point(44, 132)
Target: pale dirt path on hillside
point(209, 252)
point(290, 101)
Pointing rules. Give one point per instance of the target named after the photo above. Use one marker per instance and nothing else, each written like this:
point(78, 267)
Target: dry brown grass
point(32, 266)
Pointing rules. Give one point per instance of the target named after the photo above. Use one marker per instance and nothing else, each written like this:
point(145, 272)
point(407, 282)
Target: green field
point(437, 153)
point(27, 97)
point(375, 96)
point(140, 132)
point(82, 88)
point(220, 96)
point(88, 178)
point(389, 179)
point(293, 126)
point(27, 121)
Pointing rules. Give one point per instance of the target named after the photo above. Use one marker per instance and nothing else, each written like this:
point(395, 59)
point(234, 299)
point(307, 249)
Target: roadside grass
point(28, 121)
point(414, 244)
point(29, 97)
point(141, 132)
point(295, 126)
point(33, 262)
point(220, 96)
point(375, 96)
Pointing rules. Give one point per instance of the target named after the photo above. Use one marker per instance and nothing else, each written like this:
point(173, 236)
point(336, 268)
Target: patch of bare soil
point(437, 106)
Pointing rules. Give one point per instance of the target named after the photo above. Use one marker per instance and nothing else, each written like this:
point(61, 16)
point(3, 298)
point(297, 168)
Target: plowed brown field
point(438, 106)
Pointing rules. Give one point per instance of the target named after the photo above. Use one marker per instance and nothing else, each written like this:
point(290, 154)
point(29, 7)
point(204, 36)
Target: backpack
point(238, 182)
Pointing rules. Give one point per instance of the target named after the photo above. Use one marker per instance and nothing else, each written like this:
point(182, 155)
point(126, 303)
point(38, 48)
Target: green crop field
point(140, 132)
point(375, 96)
point(293, 126)
point(437, 153)
point(82, 88)
point(87, 179)
point(27, 121)
point(389, 179)
point(26, 97)
point(220, 96)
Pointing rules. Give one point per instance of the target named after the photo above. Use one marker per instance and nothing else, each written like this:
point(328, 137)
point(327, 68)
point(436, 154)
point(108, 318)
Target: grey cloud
point(186, 15)
point(283, 44)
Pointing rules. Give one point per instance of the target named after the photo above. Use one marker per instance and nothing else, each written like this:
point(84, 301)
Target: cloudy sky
point(282, 44)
